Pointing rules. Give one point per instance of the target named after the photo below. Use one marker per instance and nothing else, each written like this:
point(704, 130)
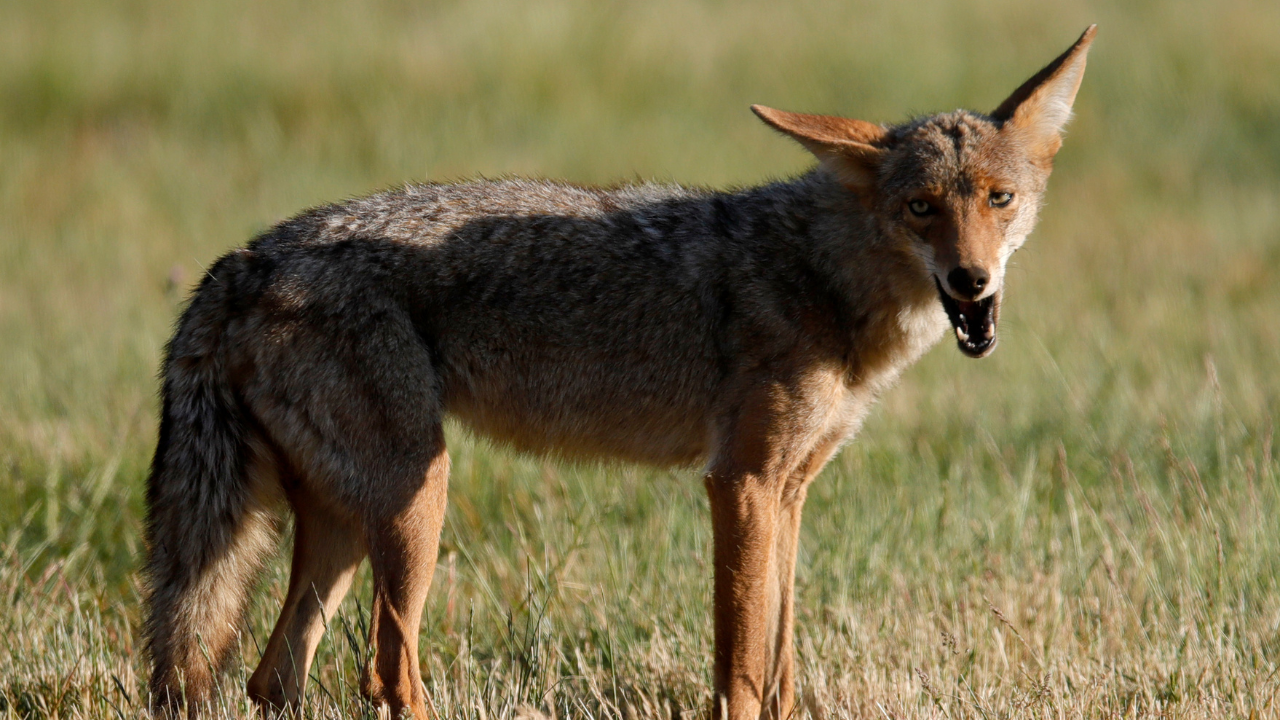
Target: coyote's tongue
point(974, 322)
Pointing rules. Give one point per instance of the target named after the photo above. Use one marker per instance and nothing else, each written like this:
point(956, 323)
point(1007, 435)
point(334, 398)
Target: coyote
point(747, 332)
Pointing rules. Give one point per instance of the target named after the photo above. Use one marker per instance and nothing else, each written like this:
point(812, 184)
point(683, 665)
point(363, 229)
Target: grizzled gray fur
point(747, 332)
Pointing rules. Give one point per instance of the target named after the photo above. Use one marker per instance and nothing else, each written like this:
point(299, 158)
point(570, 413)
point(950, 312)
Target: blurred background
point(1108, 472)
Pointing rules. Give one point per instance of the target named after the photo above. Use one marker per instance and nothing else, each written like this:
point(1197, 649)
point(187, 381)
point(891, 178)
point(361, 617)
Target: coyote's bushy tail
point(206, 531)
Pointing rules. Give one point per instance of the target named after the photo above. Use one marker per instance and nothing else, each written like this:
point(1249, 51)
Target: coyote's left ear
point(1040, 108)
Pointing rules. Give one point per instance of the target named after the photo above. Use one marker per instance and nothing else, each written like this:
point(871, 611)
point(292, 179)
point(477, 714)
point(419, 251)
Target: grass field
point(1085, 525)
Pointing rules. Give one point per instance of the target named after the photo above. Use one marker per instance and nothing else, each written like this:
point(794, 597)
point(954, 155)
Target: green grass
point(1083, 525)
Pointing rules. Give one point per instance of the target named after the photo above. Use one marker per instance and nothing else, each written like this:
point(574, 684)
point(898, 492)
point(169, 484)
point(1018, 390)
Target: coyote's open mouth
point(974, 322)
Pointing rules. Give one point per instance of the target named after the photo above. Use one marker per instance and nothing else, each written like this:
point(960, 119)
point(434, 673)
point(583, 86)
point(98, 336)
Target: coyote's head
point(960, 190)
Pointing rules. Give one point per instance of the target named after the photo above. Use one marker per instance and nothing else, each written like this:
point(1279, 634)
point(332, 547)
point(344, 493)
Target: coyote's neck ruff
point(748, 331)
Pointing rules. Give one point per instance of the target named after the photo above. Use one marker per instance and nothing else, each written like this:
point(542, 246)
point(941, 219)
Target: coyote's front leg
point(744, 516)
point(779, 680)
point(750, 505)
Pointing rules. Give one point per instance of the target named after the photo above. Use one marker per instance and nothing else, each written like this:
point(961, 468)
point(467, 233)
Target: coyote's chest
point(880, 357)
point(894, 339)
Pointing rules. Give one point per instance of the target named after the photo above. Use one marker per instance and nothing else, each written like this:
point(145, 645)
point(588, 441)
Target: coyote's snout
point(748, 332)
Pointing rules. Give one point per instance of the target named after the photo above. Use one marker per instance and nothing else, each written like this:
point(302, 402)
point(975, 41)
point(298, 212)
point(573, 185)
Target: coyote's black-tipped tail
point(206, 531)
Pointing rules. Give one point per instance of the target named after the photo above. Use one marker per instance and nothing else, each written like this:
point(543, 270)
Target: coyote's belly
point(584, 404)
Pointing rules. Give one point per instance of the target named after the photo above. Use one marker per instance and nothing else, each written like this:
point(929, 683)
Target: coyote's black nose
point(968, 282)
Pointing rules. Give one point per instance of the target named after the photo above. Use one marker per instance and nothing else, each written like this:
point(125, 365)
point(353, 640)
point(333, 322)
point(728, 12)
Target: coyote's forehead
point(956, 154)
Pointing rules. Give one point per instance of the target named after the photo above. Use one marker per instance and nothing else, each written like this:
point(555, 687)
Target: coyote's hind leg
point(350, 396)
point(404, 538)
point(327, 549)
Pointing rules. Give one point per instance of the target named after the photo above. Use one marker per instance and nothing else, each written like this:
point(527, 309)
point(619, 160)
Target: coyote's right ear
point(1040, 108)
point(849, 149)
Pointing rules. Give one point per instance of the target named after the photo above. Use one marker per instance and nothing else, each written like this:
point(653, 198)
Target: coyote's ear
point(1040, 108)
point(849, 149)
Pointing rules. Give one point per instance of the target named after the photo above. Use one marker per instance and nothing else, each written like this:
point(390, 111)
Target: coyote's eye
point(920, 208)
point(1000, 199)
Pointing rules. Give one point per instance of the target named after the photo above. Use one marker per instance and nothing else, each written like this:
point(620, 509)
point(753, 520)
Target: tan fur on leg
point(402, 550)
point(327, 549)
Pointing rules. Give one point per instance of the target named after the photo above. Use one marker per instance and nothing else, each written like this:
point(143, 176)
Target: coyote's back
point(748, 331)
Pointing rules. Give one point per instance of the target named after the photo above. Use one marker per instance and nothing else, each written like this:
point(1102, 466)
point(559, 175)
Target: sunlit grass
point(1082, 525)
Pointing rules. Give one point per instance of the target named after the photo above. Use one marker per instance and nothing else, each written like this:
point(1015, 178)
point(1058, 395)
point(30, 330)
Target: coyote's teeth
point(989, 331)
point(961, 335)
